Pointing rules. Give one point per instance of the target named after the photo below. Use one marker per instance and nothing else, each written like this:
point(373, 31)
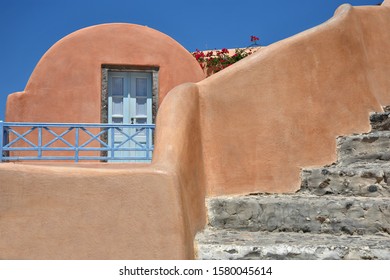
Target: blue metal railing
point(70, 141)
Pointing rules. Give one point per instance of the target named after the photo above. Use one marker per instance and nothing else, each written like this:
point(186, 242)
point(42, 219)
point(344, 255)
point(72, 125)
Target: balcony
point(76, 142)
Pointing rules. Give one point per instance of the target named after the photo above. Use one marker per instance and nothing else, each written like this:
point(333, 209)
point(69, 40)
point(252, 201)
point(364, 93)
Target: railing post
point(147, 131)
point(1, 140)
point(39, 142)
point(76, 145)
point(112, 144)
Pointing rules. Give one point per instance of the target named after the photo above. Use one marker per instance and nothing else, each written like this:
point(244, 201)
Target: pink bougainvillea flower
point(214, 61)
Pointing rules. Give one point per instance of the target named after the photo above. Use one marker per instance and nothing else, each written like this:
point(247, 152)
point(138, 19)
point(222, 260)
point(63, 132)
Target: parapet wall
point(111, 211)
point(281, 109)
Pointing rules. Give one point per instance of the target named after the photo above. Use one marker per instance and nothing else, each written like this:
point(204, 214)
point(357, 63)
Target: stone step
point(371, 147)
point(358, 179)
point(301, 213)
point(235, 245)
point(380, 121)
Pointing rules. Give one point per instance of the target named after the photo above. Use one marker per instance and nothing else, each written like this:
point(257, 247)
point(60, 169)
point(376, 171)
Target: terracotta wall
point(249, 128)
point(106, 211)
point(281, 109)
point(50, 212)
point(66, 84)
point(179, 151)
point(111, 211)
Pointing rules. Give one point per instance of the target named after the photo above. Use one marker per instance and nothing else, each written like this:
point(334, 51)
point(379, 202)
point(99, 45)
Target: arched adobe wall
point(281, 109)
point(66, 85)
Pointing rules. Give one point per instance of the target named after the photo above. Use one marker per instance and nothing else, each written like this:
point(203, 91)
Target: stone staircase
point(342, 211)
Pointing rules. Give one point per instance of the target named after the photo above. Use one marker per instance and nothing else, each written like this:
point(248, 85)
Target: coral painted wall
point(249, 128)
point(281, 109)
point(66, 84)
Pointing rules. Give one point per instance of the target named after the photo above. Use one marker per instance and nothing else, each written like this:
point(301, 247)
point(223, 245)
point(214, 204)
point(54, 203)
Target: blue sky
point(28, 28)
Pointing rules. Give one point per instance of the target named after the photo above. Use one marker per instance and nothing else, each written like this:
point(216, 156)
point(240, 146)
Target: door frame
point(123, 68)
point(104, 91)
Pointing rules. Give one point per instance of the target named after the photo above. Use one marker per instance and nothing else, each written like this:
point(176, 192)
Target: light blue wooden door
point(130, 102)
